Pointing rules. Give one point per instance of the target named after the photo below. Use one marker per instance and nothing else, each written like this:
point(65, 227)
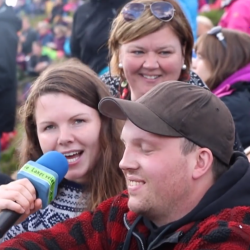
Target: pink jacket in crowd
point(237, 16)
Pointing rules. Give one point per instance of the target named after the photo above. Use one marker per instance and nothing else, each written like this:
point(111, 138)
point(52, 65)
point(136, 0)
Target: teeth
point(73, 160)
point(150, 77)
point(72, 153)
point(135, 183)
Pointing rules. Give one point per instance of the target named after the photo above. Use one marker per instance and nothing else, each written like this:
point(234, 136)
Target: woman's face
point(201, 67)
point(68, 126)
point(150, 60)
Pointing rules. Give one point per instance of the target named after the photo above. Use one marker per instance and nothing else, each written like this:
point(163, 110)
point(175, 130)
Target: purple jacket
point(225, 88)
point(237, 16)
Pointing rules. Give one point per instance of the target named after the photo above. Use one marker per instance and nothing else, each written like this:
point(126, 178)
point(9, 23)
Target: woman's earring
point(120, 66)
point(184, 66)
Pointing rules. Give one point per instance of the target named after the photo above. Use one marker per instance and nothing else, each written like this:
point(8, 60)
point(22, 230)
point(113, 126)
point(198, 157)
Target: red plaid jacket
point(105, 229)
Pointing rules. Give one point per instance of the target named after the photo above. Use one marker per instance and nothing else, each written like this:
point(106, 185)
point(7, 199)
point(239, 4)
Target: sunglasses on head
point(163, 11)
point(217, 31)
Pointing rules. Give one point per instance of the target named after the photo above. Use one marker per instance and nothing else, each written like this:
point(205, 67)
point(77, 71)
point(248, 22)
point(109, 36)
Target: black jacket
point(9, 26)
point(91, 26)
point(238, 103)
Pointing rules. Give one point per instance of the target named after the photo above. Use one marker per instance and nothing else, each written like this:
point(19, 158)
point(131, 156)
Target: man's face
point(158, 175)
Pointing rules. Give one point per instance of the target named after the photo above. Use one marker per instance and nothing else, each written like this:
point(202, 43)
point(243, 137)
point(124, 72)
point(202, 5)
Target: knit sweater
point(70, 201)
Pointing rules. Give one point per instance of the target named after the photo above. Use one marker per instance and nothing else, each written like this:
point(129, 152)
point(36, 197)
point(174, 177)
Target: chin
point(136, 206)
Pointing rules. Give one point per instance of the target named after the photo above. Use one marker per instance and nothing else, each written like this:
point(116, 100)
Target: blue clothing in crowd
point(190, 8)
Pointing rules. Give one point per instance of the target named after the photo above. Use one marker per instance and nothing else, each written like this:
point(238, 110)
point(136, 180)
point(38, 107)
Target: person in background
point(223, 62)
point(204, 24)
point(37, 62)
point(90, 32)
point(59, 38)
point(57, 10)
point(187, 188)
point(89, 141)
point(236, 15)
point(44, 33)
point(10, 24)
point(28, 36)
point(142, 57)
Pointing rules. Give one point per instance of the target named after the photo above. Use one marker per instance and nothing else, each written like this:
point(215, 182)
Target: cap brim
point(138, 114)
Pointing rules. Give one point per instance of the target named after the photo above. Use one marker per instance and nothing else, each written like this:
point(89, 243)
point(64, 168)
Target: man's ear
point(204, 162)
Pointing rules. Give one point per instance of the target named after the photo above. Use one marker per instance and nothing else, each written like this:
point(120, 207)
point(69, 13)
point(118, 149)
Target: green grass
point(214, 15)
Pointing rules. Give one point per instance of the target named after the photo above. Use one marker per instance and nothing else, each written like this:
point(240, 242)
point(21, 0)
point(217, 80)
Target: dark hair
point(218, 167)
point(221, 61)
point(80, 82)
point(124, 32)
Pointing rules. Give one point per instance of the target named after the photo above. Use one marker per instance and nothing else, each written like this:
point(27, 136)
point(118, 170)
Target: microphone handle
point(7, 220)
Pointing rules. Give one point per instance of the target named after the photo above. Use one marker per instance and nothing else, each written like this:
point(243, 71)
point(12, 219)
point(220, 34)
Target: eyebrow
point(158, 48)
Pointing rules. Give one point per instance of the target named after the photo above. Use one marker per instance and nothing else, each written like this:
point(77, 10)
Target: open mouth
point(73, 156)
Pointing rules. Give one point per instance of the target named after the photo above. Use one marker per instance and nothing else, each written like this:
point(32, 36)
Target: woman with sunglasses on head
point(223, 62)
point(150, 42)
point(61, 114)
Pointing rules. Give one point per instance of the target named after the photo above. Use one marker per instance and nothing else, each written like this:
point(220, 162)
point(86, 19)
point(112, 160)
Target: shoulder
point(230, 229)
point(239, 97)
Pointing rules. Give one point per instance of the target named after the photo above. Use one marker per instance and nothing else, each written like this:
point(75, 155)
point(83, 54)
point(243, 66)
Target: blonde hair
point(123, 32)
point(205, 21)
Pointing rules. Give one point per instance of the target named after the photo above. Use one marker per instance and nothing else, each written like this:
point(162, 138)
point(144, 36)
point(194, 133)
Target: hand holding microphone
point(24, 195)
point(19, 196)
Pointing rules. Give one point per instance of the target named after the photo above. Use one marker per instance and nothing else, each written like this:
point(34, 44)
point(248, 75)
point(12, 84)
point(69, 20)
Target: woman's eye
point(79, 121)
point(49, 127)
point(165, 52)
point(137, 52)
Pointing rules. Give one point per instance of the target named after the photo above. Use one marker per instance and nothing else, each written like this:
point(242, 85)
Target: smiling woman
point(61, 114)
point(150, 42)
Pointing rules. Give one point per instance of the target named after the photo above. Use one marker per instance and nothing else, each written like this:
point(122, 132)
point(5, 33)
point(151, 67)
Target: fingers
point(18, 196)
point(37, 206)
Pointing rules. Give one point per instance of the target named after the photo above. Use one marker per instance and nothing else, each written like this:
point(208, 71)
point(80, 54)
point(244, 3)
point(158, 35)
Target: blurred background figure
point(44, 33)
point(91, 26)
point(37, 62)
point(236, 15)
point(9, 26)
point(27, 36)
point(204, 24)
point(225, 67)
point(190, 9)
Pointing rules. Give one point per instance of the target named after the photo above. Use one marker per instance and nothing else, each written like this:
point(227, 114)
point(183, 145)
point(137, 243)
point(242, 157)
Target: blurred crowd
point(179, 80)
point(56, 30)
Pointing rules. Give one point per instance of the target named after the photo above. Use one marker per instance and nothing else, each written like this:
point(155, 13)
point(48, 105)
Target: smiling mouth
point(135, 183)
point(151, 77)
point(73, 156)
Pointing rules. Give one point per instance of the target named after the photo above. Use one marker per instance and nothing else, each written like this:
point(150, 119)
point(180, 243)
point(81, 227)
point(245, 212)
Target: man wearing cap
point(187, 189)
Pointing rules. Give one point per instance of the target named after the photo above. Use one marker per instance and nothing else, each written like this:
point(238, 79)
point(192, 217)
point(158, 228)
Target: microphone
point(45, 174)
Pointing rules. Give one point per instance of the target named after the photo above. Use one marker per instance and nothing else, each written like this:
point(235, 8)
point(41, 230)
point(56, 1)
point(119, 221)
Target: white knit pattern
point(70, 201)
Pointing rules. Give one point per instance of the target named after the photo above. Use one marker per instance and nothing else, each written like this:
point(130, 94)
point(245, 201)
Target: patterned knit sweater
point(70, 201)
